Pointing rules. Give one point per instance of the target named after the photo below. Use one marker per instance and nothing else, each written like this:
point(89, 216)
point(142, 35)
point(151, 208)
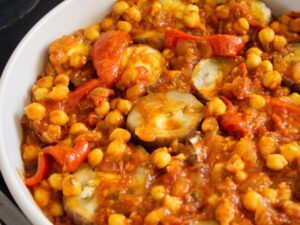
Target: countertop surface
point(10, 38)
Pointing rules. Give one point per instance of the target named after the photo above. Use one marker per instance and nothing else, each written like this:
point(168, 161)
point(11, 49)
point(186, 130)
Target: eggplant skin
point(291, 84)
point(166, 117)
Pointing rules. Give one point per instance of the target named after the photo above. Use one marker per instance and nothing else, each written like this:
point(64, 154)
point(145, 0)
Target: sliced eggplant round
point(208, 73)
point(82, 208)
point(159, 118)
point(261, 12)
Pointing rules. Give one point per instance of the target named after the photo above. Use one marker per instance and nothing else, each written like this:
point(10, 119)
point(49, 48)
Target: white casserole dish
point(21, 72)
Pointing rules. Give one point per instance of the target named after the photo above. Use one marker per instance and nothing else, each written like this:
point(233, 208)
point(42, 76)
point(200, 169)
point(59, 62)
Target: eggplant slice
point(82, 208)
point(261, 12)
point(293, 58)
point(159, 118)
point(208, 73)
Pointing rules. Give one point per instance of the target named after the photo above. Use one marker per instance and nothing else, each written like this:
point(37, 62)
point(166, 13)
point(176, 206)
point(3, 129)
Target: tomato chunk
point(107, 53)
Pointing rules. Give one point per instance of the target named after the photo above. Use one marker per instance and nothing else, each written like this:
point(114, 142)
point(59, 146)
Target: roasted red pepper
point(234, 124)
point(42, 170)
point(80, 93)
point(173, 36)
point(74, 158)
point(222, 44)
point(107, 54)
point(226, 45)
point(67, 158)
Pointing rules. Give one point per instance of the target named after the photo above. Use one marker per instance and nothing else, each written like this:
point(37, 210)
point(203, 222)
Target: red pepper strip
point(226, 45)
point(64, 156)
point(234, 124)
point(222, 44)
point(58, 153)
point(76, 156)
point(107, 53)
point(81, 92)
point(42, 170)
point(173, 36)
point(284, 107)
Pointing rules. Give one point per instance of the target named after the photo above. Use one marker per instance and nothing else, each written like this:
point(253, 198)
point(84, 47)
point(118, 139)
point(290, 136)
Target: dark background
point(13, 34)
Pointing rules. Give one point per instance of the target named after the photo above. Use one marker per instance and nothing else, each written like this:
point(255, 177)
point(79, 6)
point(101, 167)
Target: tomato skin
point(222, 44)
point(107, 53)
point(234, 124)
point(226, 45)
point(173, 36)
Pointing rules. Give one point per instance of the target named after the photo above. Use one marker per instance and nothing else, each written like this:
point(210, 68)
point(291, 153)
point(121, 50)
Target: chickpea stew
point(169, 112)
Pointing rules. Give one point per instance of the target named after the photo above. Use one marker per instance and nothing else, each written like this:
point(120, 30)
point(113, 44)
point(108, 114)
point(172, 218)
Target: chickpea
point(42, 196)
point(54, 132)
point(225, 212)
point(55, 181)
point(56, 209)
point(191, 20)
point(161, 159)
point(158, 192)
point(120, 7)
point(266, 65)
point(257, 101)
point(107, 24)
point(267, 145)
point(172, 203)
point(213, 199)
point(40, 93)
point(58, 117)
point(77, 60)
point(279, 42)
point(78, 128)
point(124, 26)
point(222, 12)
point(241, 26)
point(120, 134)
point(62, 80)
point(295, 97)
point(254, 50)
point(266, 36)
point(253, 61)
point(71, 186)
point(191, 8)
point(133, 14)
point(272, 80)
point(270, 194)
point(95, 157)
point(35, 111)
point(276, 26)
point(218, 171)
point(117, 219)
point(235, 164)
point(295, 25)
point(284, 192)
point(124, 106)
point(290, 151)
point(240, 176)
point(210, 124)
point(276, 162)
point(59, 93)
point(45, 82)
point(155, 216)
point(216, 107)
point(102, 109)
point(252, 200)
point(116, 148)
point(93, 32)
point(114, 118)
point(296, 72)
point(30, 152)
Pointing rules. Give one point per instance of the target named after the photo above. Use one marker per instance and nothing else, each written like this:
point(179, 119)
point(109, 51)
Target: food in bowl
point(169, 112)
